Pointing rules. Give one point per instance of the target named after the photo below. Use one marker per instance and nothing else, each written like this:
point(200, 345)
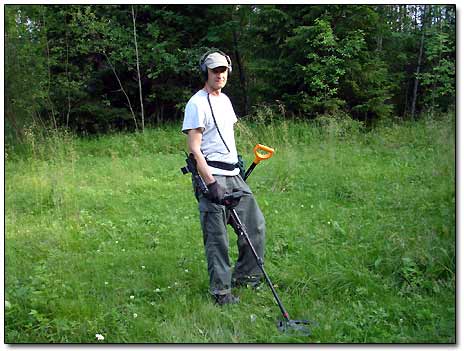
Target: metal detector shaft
point(250, 169)
point(240, 230)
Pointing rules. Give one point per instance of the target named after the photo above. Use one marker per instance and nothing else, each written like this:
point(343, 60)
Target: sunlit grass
point(103, 237)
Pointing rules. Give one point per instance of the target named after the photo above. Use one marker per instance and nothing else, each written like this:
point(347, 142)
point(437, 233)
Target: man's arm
point(194, 138)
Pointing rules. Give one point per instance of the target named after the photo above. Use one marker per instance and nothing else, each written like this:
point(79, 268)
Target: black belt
point(222, 165)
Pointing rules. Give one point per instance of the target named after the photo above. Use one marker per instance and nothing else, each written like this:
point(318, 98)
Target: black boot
point(226, 299)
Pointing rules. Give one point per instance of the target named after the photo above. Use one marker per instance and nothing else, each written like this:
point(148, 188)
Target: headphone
point(204, 69)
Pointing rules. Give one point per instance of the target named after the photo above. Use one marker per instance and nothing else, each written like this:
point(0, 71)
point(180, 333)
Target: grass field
point(103, 237)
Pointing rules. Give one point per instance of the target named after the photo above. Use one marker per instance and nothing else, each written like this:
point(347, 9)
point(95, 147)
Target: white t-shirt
point(198, 115)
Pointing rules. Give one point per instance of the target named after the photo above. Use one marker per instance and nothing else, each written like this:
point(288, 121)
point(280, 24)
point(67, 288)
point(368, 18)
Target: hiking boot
point(226, 299)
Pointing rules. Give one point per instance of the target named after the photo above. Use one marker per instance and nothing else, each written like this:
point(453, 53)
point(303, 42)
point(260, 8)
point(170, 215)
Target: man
point(209, 124)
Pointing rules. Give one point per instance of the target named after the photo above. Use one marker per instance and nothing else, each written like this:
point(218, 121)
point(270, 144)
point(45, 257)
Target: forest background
point(99, 68)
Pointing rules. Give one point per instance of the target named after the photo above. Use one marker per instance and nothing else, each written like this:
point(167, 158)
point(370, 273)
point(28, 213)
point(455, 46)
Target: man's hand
point(216, 193)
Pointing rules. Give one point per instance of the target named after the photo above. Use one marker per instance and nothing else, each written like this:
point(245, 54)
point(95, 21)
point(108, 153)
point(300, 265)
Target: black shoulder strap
point(215, 123)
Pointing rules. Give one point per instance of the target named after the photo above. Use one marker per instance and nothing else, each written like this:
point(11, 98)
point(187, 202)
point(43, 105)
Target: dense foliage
point(93, 68)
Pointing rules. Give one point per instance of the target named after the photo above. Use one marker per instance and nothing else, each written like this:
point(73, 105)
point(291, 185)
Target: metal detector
point(231, 200)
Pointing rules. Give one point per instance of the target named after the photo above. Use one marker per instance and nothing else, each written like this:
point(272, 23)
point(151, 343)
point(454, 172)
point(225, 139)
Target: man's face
point(217, 78)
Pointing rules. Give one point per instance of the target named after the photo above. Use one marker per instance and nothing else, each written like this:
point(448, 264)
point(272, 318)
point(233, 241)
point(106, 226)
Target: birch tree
point(138, 70)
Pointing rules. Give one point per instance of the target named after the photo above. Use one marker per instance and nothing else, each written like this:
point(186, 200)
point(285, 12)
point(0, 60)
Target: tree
point(138, 69)
point(419, 61)
point(438, 77)
point(25, 70)
point(321, 70)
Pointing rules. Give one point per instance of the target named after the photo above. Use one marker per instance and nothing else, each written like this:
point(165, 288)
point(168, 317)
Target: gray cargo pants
point(214, 219)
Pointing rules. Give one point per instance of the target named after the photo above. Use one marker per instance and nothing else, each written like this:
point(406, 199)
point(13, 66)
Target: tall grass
point(103, 237)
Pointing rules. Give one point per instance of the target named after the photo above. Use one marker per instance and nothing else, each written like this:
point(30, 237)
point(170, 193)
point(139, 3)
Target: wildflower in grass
point(157, 290)
point(252, 317)
point(143, 267)
point(106, 283)
point(99, 337)
point(135, 315)
point(132, 297)
point(186, 270)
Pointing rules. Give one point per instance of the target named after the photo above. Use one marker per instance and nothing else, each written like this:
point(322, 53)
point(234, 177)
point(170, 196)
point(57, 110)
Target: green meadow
point(103, 242)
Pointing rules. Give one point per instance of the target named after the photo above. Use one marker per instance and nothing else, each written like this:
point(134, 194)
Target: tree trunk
point(122, 89)
point(138, 70)
point(434, 87)
point(418, 69)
